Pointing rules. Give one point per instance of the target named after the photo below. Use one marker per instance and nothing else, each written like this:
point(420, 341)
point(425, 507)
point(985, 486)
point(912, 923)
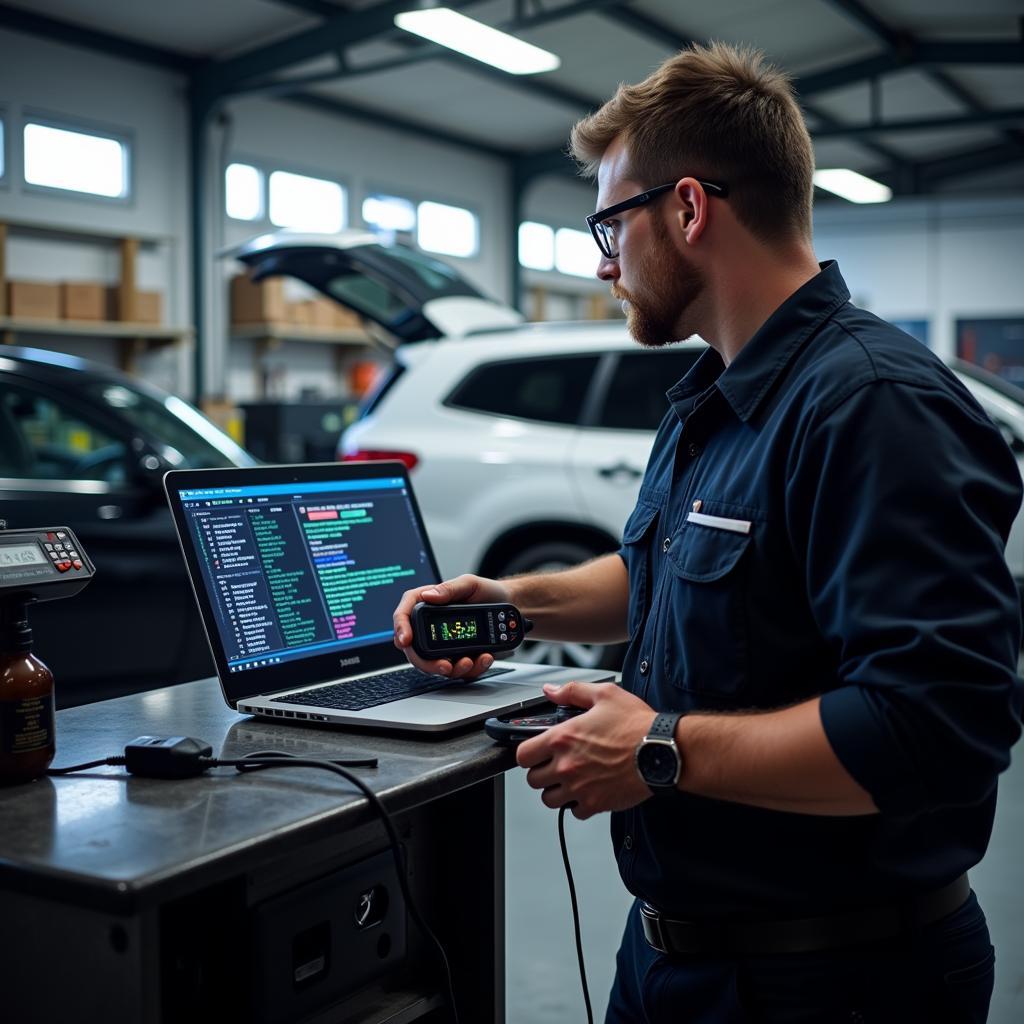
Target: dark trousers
point(942, 974)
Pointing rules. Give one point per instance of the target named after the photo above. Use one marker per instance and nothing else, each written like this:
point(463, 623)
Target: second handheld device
point(466, 630)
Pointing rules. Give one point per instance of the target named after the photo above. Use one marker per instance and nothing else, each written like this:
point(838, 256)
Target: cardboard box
point(260, 303)
point(345, 319)
point(83, 300)
point(299, 314)
point(322, 313)
point(149, 307)
point(139, 307)
point(33, 299)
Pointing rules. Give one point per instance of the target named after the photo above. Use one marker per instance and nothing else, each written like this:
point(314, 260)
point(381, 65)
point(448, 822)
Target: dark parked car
point(86, 447)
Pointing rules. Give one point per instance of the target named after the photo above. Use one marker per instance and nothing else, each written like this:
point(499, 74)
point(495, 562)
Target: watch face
point(658, 763)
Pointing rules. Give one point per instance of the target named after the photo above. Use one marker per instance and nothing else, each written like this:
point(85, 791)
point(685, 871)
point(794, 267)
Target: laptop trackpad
point(482, 693)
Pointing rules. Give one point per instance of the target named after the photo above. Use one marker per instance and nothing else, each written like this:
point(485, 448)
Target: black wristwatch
point(657, 757)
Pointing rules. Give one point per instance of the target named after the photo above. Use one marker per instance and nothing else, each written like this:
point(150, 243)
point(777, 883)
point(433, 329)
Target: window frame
point(81, 126)
point(302, 172)
point(372, 192)
point(264, 216)
point(267, 167)
point(553, 269)
point(475, 254)
point(585, 405)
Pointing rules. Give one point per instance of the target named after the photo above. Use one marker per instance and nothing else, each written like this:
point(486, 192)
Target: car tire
point(549, 557)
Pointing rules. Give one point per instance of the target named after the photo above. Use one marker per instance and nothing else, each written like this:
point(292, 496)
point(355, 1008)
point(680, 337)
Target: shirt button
point(666, 544)
point(644, 666)
point(694, 449)
point(627, 843)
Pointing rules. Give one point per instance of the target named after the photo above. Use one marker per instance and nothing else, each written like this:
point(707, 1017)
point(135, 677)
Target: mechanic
point(819, 615)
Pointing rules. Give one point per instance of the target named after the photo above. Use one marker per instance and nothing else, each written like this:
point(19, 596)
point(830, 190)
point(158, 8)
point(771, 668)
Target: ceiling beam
point(20, 20)
point(664, 35)
point(970, 161)
point(346, 28)
point(902, 48)
point(922, 124)
point(541, 88)
point(378, 119)
point(648, 27)
point(320, 8)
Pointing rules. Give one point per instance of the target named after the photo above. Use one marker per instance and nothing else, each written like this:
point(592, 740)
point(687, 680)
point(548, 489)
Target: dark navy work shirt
point(825, 516)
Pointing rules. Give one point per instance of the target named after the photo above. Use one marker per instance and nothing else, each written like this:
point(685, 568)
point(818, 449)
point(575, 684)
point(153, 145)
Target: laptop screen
point(298, 568)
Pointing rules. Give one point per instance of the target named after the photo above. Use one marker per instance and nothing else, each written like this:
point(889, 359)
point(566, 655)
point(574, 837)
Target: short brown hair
point(714, 112)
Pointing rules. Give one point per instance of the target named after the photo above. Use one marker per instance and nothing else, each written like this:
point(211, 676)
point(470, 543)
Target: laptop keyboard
point(384, 688)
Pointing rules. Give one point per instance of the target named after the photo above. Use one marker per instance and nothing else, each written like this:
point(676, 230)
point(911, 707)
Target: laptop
point(297, 571)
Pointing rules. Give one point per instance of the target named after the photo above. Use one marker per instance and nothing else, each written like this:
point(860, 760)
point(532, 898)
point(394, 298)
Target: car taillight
point(368, 455)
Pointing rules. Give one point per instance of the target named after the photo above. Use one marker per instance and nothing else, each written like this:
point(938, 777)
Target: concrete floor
point(542, 976)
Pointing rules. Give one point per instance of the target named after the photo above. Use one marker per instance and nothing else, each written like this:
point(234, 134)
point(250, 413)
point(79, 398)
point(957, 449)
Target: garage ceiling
point(873, 74)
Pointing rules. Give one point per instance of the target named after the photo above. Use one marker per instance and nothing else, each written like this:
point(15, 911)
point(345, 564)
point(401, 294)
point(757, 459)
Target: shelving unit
point(131, 337)
point(271, 337)
point(274, 334)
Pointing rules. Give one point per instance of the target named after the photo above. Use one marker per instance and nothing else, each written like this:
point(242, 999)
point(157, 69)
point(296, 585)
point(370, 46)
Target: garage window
point(636, 395)
point(389, 214)
point(306, 204)
point(549, 390)
point(536, 246)
point(575, 252)
point(76, 161)
point(243, 192)
point(449, 230)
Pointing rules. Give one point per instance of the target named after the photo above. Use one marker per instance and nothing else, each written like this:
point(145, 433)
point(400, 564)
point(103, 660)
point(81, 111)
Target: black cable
point(575, 913)
point(350, 762)
point(275, 759)
point(88, 764)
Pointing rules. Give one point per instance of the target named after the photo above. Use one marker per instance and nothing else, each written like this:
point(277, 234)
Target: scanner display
point(454, 629)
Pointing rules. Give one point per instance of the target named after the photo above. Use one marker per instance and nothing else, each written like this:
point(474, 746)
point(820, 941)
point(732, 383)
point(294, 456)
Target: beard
point(661, 308)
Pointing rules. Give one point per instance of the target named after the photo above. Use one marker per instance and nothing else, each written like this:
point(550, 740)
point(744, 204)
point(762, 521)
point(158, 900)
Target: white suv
point(527, 442)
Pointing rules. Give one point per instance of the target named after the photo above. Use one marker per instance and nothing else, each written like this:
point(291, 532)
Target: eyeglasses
point(603, 226)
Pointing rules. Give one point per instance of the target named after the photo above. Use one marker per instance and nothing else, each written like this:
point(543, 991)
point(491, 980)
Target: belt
point(801, 935)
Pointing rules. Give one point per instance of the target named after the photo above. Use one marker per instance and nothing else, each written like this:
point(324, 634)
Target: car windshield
point(186, 438)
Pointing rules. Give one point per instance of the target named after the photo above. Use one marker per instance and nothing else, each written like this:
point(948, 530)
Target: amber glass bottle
point(27, 723)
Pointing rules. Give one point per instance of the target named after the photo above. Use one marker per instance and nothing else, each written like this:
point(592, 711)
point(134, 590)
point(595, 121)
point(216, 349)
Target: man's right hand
point(461, 590)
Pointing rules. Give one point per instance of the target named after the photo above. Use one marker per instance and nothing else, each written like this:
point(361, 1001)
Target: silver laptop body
point(297, 570)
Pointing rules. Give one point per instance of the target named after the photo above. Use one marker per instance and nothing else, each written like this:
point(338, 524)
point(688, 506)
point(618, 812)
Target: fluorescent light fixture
point(474, 39)
point(853, 186)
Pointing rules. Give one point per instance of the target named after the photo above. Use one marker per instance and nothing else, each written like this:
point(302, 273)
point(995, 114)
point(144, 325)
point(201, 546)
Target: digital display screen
point(455, 629)
point(12, 555)
point(306, 568)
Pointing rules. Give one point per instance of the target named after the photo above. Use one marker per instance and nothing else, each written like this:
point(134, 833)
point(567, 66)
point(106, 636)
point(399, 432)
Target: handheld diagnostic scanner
point(466, 630)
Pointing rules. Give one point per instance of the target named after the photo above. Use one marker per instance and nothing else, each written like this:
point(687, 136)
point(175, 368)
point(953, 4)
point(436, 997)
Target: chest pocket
point(635, 540)
point(705, 616)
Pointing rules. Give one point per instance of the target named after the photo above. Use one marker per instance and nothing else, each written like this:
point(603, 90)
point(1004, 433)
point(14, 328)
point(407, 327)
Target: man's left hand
point(588, 762)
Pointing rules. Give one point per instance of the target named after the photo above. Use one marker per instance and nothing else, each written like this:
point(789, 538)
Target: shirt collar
point(749, 377)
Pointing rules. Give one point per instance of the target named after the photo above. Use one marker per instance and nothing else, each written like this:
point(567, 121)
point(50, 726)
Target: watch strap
point(664, 726)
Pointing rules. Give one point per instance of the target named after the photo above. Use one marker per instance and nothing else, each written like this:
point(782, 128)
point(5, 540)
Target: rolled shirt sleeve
point(914, 491)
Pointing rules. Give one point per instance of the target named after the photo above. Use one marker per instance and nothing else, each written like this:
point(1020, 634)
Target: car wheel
point(550, 557)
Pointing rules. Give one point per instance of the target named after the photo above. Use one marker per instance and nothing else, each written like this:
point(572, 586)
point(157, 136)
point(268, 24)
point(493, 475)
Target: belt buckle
point(653, 928)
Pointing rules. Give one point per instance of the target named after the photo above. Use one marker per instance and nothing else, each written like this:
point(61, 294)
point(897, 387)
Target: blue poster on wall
point(915, 328)
point(995, 344)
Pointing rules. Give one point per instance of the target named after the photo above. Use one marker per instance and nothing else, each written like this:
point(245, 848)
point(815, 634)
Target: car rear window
point(635, 399)
point(549, 389)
